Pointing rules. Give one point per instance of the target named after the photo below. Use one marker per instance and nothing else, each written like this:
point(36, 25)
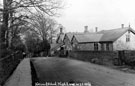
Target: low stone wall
point(8, 65)
point(129, 54)
point(99, 57)
point(128, 58)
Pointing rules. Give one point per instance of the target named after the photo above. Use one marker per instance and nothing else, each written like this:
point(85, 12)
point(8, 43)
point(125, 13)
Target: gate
point(121, 57)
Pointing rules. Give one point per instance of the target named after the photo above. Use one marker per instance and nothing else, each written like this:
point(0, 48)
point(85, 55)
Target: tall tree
point(31, 41)
point(44, 26)
point(16, 9)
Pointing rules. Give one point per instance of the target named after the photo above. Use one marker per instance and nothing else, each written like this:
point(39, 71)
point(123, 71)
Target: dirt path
point(65, 70)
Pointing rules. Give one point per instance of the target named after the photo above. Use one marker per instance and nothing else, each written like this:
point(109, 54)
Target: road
point(52, 69)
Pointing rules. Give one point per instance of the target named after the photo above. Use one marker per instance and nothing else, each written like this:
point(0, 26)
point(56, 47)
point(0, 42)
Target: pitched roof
point(114, 34)
point(70, 35)
point(55, 46)
point(102, 36)
point(87, 38)
point(60, 37)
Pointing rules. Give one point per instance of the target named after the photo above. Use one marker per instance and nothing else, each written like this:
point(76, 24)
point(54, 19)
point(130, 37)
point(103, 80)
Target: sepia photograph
point(67, 42)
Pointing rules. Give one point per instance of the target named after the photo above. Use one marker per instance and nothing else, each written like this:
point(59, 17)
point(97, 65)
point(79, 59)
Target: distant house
point(60, 38)
point(118, 39)
point(68, 37)
point(55, 46)
point(67, 40)
point(86, 41)
point(106, 40)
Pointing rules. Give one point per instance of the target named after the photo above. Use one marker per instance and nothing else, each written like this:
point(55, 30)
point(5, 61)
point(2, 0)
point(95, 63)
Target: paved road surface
point(53, 69)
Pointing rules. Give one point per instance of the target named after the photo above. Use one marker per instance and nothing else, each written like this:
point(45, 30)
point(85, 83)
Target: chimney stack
point(122, 25)
point(129, 26)
point(86, 29)
point(96, 29)
point(61, 30)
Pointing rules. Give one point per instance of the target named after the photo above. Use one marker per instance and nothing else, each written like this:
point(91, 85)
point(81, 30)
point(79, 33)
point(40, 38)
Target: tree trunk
point(4, 28)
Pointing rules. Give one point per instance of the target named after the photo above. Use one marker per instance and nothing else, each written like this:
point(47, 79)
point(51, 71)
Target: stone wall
point(130, 54)
point(8, 65)
point(99, 57)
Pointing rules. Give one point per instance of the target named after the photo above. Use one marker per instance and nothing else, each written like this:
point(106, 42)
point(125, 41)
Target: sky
point(104, 14)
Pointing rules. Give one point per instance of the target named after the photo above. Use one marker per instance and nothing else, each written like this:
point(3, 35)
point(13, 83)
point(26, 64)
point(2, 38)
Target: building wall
point(91, 47)
point(103, 46)
point(59, 40)
point(67, 43)
point(121, 44)
point(75, 44)
point(86, 46)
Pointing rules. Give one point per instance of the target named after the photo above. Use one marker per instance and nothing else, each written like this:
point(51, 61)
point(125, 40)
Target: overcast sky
point(104, 14)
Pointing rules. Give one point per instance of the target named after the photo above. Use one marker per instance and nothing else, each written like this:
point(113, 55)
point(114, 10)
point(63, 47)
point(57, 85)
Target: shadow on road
point(33, 73)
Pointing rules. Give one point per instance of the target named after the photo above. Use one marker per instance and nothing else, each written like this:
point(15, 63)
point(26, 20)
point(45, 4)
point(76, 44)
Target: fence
point(8, 64)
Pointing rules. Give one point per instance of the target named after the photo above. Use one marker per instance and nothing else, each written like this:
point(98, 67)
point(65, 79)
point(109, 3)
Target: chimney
point(61, 30)
point(129, 26)
point(86, 29)
point(96, 29)
point(122, 25)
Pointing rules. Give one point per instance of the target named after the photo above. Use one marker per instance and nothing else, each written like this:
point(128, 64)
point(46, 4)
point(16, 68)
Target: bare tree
point(18, 9)
point(44, 26)
point(31, 41)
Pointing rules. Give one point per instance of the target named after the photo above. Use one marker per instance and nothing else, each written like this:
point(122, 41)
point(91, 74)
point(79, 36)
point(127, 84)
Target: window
point(111, 46)
point(96, 46)
point(128, 37)
point(107, 47)
point(78, 47)
point(102, 46)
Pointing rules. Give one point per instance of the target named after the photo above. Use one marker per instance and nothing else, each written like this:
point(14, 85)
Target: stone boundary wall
point(8, 65)
point(129, 54)
point(99, 57)
point(105, 57)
